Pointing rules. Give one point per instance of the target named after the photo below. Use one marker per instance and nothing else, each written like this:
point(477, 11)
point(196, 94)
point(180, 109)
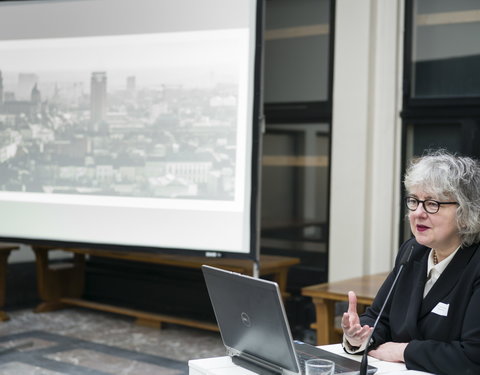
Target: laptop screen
point(251, 317)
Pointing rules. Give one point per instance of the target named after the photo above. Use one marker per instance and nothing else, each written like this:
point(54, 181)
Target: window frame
point(424, 107)
point(308, 112)
point(419, 111)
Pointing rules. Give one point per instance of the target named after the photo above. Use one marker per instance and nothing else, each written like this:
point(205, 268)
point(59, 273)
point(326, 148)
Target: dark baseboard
point(21, 291)
point(149, 287)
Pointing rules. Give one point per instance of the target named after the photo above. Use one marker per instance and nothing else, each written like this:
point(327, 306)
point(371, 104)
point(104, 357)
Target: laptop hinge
point(256, 366)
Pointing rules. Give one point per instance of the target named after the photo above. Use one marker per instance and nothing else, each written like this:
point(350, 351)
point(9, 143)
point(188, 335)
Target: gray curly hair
point(449, 176)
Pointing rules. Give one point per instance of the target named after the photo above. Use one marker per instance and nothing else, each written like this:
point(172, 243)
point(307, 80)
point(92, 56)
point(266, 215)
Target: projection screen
point(130, 123)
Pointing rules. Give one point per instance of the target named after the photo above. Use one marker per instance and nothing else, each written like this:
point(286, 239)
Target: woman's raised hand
point(353, 331)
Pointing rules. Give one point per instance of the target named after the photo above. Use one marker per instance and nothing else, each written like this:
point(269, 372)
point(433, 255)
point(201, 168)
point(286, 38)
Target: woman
point(432, 319)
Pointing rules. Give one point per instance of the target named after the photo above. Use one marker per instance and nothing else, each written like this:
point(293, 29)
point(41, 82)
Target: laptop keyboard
point(303, 357)
point(342, 364)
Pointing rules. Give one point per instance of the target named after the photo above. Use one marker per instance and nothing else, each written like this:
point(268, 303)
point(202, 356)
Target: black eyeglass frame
point(418, 201)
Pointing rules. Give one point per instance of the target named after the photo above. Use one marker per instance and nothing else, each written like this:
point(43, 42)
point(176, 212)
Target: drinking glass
point(319, 367)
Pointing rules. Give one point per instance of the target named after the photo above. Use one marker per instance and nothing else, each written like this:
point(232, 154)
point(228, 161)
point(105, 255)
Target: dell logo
point(245, 319)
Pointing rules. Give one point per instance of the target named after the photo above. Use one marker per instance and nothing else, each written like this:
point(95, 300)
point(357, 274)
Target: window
point(445, 49)
point(441, 106)
point(296, 144)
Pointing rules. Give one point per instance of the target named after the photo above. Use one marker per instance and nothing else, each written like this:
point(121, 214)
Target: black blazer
point(441, 342)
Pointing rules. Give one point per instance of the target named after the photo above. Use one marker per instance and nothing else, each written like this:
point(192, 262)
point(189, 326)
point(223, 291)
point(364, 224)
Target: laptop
point(254, 327)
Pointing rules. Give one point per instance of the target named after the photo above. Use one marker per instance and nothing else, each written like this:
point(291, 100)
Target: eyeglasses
point(429, 205)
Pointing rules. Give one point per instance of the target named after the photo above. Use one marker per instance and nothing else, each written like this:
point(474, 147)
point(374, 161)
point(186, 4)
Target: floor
point(87, 342)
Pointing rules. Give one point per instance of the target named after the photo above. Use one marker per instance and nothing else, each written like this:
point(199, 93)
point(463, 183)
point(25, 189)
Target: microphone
point(405, 259)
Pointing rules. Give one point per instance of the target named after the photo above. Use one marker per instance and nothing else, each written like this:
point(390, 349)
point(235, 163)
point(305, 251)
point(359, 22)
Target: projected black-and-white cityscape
point(152, 119)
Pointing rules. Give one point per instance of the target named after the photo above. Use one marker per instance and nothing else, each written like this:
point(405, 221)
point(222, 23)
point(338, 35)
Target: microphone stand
point(364, 362)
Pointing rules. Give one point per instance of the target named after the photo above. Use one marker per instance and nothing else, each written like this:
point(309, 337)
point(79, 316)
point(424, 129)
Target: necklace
point(435, 258)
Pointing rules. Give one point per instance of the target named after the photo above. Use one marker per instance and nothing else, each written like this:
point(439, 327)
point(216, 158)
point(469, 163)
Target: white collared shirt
point(435, 270)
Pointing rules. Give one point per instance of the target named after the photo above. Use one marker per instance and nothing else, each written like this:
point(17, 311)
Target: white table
point(225, 366)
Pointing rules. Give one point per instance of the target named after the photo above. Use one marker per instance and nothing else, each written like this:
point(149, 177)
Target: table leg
point(325, 324)
point(280, 277)
point(53, 282)
point(3, 283)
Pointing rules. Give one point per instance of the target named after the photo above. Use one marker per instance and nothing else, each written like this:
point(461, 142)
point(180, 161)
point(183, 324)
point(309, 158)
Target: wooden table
point(62, 285)
point(325, 295)
point(5, 250)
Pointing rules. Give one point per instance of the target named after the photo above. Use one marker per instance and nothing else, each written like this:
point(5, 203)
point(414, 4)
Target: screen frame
point(255, 170)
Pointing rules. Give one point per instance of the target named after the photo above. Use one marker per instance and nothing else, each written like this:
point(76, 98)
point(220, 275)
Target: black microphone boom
point(364, 363)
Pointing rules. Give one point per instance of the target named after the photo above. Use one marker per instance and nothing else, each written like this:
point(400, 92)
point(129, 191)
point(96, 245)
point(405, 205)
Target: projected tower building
point(131, 87)
point(98, 97)
point(1, 88)
point(131, 84)
point(26, 82)
point(35, 100)
point(35, 95)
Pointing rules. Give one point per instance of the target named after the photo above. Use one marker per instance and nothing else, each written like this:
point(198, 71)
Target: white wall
point(365, 165)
